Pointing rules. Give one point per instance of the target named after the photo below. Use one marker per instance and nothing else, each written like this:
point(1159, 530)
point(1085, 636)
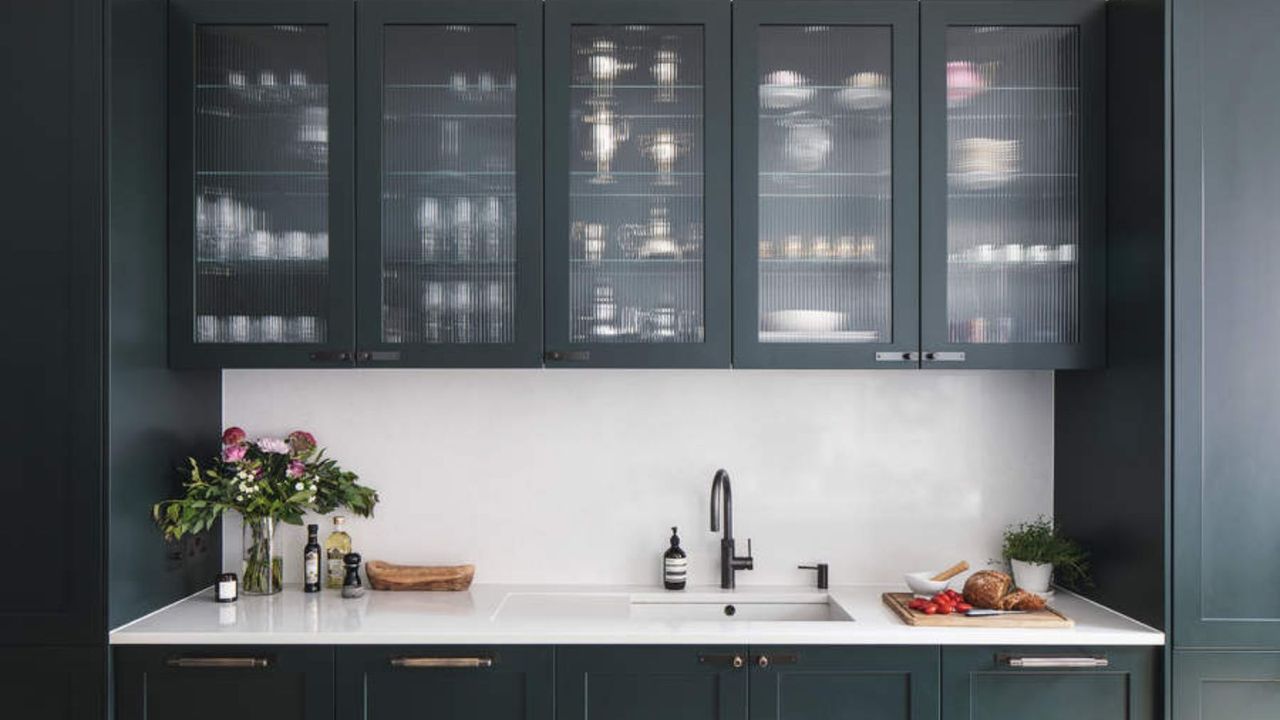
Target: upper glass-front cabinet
point(449, 269)
point(1013, 161)
point(826, 184)
point(637, 167)
point(260, 193)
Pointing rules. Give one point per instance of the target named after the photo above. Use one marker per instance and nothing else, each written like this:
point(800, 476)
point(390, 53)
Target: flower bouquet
point(267, 481)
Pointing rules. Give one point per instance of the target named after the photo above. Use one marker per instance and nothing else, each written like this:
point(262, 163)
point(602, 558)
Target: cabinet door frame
point(339, 19)
point(355, 663)
point(1194, 669)
point(961, 663)
point(137, 667)
point(575, 662)
point(903, 21)
point(716, 348)
point(1089, 16)
point(526, 17)
point(918, 662)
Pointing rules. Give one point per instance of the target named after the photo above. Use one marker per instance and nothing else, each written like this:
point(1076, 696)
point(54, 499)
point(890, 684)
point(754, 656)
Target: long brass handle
point(442, 662)
point(1093, 661)
point(219, 662)
point(734, 661)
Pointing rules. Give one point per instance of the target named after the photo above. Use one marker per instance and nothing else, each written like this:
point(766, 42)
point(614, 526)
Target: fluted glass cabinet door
point(1014, 234)
point(448, 269)
point(261, 163)
point(825, 176)
point(637, 182)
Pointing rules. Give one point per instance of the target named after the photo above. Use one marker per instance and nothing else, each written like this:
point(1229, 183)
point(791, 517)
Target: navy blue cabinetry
point(449, 683)
point(1054, 683)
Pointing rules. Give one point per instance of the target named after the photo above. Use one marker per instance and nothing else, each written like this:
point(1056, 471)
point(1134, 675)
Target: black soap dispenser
point(675, 565)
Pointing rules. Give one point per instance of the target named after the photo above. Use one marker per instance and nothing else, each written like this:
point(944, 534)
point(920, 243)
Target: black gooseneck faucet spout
point(722, 513)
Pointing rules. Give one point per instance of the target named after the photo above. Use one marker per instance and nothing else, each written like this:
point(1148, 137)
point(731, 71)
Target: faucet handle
point(823, 574)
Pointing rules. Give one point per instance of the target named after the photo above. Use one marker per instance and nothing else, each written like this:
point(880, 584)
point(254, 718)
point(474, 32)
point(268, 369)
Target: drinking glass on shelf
point(296, 245)
point(237, 329)
point(207, 329)
point(451, 141)
point(496, 311)
point(463, 229)
point(808, 141)
point(429, 223)
point(462, 310)
point(604, 67)
point(593, 237)
point(272, 329)
point(433, 306)
point(493, 228)
point(261, 245)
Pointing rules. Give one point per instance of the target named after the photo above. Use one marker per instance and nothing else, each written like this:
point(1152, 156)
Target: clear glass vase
point(262, 561)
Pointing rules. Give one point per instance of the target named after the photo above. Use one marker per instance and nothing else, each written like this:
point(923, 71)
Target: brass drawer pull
point(734, 661)
point(242, 663)
point(1055, 662)
point(442, 662)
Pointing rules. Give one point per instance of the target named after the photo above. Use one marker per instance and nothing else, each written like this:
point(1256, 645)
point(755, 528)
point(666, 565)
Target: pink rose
point(233, 436)
point(273, 445)
point(233, 453)
point(302, 442)
point(296, 468)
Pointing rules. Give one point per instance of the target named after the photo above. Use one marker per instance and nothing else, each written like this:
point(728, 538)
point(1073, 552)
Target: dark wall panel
point(1110, 459)
point(156, 416)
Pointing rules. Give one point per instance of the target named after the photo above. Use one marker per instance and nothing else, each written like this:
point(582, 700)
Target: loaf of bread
point(986, 588)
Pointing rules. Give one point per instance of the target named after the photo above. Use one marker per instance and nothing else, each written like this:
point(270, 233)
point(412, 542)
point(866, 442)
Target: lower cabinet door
point(47, 683)
point(648, 682)
point(837, 683)
point(1048, 683)
point(445, 683)
point(215, 683)
point(1226, 685)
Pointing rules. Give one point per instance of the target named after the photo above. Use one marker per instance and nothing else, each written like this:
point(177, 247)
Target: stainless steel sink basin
point(752, 608)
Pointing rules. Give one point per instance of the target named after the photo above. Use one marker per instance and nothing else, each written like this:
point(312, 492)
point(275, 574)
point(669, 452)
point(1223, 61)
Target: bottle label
point(674, 570)
point(312, 568)
point(226, 590)
point(335, 572)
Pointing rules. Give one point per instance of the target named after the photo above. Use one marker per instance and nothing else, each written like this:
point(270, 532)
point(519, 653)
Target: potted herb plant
point(1038, 550)
point(267, 481)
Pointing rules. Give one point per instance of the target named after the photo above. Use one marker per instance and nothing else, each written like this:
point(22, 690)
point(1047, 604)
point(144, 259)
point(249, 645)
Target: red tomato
point(931, 609)
point(964, 607)
point(946, 609)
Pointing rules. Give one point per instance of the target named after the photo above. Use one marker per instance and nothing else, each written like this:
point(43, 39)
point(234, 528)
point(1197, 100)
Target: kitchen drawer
point(1226, 685)
point(216, 682)
point(447, 683)
point(824, 683)
point(643, 682)
point(1013, 683)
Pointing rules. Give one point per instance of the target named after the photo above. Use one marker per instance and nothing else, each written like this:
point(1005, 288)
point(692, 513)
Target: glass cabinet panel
point(448, 201)
point(261, 184)
point(1013, 102)
point(825, 197)
point(635, 210)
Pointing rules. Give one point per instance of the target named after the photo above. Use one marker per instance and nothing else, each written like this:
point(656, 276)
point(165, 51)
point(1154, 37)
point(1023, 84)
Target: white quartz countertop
point(605, 615)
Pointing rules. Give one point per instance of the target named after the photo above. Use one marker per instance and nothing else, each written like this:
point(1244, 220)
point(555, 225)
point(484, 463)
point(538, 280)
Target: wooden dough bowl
point(385, 576)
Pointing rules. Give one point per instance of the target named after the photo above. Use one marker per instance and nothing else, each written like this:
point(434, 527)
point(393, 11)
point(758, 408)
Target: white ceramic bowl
point(920, 583)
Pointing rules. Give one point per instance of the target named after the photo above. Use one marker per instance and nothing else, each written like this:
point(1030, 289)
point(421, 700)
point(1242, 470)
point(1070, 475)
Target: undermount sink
point(758, 609)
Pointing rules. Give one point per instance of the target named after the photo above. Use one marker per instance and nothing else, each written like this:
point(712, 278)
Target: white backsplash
point(576, 476)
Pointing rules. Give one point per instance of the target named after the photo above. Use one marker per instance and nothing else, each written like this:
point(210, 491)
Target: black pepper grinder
point(675, 565)
point(351, 585)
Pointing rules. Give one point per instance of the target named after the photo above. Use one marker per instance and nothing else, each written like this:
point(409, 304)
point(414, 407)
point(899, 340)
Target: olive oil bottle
point(336, 547)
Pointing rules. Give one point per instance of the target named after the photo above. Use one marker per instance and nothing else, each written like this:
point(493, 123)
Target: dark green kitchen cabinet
point(285, 682)
point(261, 183)
point(827, 683)
point(826, 184)
point(1213, 685)
point(637, 138)
point(1226, 178)
point(1049, 683)
point(643, 682)
point(445, 683)
point(449, 190)
point(1013, 184)
point(53, 683)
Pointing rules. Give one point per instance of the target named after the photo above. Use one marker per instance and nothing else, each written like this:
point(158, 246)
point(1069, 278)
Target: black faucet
point(729, 562)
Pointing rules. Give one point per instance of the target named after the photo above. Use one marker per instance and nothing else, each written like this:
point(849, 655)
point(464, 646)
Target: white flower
point(239, 498)
point(273, 445)
point(298, 486)
point(311, 499)
point(313, 487)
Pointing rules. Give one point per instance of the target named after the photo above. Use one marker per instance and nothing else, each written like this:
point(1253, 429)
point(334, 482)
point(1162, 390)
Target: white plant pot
point(1033, 577)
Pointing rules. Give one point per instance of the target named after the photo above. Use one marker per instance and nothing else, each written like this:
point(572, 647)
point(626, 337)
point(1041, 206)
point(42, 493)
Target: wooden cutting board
point(1047, 618)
